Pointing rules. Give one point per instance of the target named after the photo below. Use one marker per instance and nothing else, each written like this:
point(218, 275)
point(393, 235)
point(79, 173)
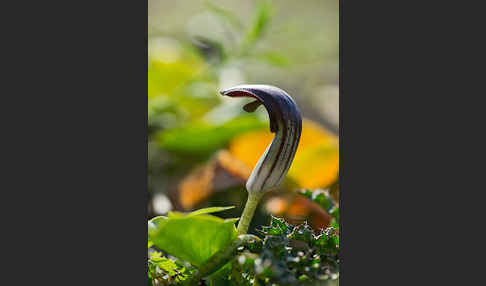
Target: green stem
point(220, 258)
point(248, 212)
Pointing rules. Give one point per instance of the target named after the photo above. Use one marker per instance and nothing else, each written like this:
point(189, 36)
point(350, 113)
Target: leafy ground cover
point(282, 254)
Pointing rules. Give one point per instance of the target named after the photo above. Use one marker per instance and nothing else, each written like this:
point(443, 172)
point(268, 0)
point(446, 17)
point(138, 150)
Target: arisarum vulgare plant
point(273, 165)
point(208, 248)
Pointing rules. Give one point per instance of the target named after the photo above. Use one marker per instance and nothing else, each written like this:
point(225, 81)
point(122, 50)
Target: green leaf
point(166, 265)
point(258, 25)
point(192, 237)
point(322, 198)
point(220, 277)
point(277, 227)
point(302, 232)
point(201, 138)
point(335, 213)
point(210, 210)
point(165, 271)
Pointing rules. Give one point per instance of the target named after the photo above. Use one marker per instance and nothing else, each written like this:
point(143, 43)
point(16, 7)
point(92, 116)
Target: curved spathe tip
point(277, 102)
point(252, 90)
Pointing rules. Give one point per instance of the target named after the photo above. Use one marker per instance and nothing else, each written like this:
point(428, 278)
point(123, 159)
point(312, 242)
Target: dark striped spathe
point(285, 122)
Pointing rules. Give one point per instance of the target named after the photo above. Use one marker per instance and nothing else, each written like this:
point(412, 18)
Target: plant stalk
point(249, 211)
point(220, 258)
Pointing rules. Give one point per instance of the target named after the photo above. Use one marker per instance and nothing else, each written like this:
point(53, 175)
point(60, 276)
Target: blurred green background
point(199, 142)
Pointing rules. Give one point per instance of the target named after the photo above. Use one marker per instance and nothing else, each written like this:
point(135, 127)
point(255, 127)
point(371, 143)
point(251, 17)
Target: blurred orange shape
point(314, 134)
point(316, 167)
point(277, 205)
point(206, 179)
point(233, 165)
point(197, 186)
point(298, 209)
point(248, 147)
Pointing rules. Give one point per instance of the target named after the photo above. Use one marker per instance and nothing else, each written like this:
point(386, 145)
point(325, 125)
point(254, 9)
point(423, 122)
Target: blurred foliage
point(203, 138)
point(165, 271)
point(201, 146)
point(286, 255)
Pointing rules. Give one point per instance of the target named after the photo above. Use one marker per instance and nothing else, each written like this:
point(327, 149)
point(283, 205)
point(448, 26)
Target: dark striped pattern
point(285, 122)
